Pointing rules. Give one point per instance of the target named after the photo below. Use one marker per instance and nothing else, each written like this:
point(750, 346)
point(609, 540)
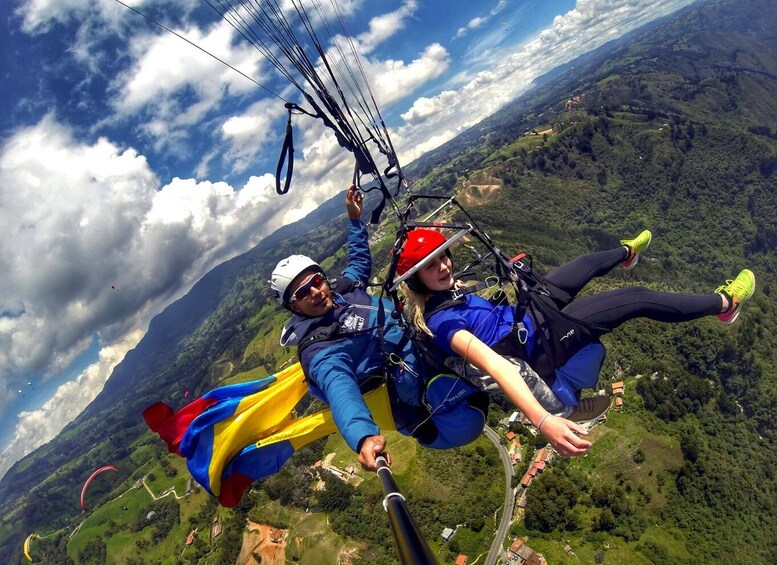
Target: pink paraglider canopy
point(89, 481)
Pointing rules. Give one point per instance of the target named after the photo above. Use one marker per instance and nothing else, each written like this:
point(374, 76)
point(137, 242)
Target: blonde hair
point(415, 305)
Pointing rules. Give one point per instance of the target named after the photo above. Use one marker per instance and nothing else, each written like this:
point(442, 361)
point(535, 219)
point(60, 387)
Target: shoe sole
point(599, 417)
point(628, 266)
point(739, 307)
point(594, 419)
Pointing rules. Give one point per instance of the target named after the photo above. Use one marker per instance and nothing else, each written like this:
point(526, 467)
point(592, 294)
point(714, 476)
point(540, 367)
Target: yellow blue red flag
point(237, 434)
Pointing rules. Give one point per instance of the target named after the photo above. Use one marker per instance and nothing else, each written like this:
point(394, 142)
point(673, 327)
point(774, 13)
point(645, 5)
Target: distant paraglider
point(26, 547)
point(186, 394)
point(89, 481)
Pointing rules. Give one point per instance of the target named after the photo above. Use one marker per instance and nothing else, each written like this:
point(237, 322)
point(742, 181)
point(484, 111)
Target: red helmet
point(420, 243)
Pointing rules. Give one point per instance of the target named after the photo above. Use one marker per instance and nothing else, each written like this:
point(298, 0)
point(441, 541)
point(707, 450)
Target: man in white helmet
point(342, 351)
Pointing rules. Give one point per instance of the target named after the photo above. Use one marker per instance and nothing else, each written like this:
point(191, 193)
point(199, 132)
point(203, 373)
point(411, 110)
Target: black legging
point(610, 309)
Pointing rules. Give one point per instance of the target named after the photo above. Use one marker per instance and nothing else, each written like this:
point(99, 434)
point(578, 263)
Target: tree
point(337, 495)
point(549, 503)
point(605, 522)
point(94, 552)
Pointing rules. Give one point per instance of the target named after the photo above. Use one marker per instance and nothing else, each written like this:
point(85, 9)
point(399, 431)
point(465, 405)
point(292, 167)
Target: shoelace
point(721, 288)
point(733, 289)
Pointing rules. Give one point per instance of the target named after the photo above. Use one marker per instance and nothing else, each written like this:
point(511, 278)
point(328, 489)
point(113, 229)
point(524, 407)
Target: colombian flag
point(237, 434)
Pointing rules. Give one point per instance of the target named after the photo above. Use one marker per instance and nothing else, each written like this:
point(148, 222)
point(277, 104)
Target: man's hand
point(353, 202)
point(371, 448)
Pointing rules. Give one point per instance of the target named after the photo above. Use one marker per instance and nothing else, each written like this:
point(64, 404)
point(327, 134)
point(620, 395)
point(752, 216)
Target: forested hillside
point(675, 131)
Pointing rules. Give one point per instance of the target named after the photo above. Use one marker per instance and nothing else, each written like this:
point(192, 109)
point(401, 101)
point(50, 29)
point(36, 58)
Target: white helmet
point(286, 271)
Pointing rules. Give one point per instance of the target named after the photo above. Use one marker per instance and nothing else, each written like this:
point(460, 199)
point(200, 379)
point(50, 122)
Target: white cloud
point(392, 80)
point(78, 219)
point(246, 134)
point(40, 15)
point(164, 64)
point(35, 428)
point(501, 5)
point(479, 21)
point(474, 23)
point(385, 26)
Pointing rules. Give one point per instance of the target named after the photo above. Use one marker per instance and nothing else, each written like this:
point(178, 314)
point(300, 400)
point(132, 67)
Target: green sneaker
point(737, 291)
point(636, 246)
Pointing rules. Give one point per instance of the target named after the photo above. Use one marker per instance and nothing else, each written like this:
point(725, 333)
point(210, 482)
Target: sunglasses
point(304, 290)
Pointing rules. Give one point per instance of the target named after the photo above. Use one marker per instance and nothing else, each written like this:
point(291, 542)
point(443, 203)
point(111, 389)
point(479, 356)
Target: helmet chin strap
point(417, 286)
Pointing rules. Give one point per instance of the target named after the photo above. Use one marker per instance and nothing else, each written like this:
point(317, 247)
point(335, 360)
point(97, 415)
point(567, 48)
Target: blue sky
point(131, 163)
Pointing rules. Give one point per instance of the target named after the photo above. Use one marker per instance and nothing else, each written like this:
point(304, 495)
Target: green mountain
point(674, 130)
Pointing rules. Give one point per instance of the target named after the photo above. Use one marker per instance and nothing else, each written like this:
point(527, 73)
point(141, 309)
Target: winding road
point(504, 524)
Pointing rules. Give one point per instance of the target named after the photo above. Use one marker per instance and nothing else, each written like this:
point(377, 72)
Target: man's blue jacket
point(337, 366)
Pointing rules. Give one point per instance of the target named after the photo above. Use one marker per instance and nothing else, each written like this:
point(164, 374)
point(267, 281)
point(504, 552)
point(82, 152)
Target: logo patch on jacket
point(352, 322)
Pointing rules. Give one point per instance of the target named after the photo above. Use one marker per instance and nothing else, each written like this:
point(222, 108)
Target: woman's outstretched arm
point(561, 433)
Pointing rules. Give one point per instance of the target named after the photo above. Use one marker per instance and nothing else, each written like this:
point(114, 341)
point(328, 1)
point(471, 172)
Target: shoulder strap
point(442, 300)
point(321, 333)
point(455, 296)
point(344, 285)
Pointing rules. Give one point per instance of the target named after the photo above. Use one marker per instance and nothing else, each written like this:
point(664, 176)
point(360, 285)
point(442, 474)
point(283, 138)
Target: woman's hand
point(561, 433)
point(353, 202)
point(563, 436)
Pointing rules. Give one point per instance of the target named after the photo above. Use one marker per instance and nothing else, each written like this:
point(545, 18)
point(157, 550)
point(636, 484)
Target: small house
point(447, 533)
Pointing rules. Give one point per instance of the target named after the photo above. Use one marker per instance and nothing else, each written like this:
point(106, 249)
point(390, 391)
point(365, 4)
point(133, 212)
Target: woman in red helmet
point(555, 333)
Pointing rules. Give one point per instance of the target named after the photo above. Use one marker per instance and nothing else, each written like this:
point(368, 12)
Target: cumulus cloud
point(246, 134)
point(432, 120)
point(91, 244)
point(480, 21)
point(474, 23)
point(35, 428)
point(38, 16)
point(385, 26)
point(393, 80)
point(164, 64)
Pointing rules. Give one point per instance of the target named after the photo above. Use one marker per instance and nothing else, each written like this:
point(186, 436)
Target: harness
point(557, 336)
point(334, 330)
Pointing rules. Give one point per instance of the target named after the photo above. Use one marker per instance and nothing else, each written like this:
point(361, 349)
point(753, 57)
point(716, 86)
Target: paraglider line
point(190, 42)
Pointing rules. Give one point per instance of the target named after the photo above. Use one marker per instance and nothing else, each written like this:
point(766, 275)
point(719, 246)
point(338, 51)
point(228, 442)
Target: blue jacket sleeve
point(333, 373)
point(359, 259)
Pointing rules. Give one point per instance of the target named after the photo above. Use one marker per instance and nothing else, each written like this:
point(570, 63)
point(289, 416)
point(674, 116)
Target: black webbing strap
point(287, 151)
